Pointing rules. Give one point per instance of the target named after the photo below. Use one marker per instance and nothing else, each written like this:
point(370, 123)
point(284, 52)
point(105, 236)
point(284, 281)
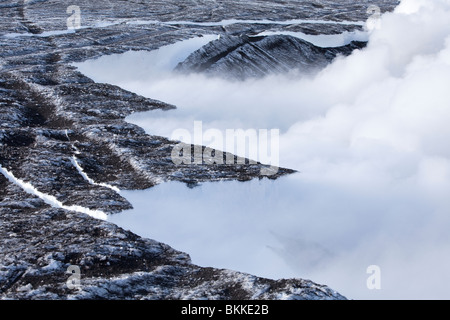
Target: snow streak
point(80, 170)
point(49, 199)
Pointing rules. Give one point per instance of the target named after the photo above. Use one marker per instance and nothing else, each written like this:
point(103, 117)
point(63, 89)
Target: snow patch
point(324, 40)
point(228, 22)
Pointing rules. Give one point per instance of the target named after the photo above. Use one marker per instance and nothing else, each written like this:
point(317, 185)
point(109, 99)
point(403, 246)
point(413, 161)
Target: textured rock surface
point(51, 116)
point(242, 57)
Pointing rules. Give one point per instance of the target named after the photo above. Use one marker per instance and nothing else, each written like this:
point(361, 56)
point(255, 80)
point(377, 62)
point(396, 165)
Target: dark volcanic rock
point(52, 118)
point(242, 57)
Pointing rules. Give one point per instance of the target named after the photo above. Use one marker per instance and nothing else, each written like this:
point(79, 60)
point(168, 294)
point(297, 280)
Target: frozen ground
point(368, 137)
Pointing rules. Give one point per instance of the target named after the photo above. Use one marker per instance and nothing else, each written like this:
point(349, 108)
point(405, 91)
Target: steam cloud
point(369, 136)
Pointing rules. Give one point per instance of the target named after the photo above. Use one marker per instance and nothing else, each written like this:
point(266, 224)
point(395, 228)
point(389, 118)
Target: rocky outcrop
point(242, 57)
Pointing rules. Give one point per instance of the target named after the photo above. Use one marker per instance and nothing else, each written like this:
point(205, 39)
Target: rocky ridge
point(243, 57)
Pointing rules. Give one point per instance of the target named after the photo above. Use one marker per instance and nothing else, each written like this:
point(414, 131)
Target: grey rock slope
point(242, 57)
point(53, 117)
